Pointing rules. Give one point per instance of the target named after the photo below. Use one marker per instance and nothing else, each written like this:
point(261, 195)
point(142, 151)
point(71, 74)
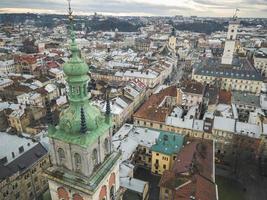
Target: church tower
point(230, 42)
point(84, 166)
point(172, 40)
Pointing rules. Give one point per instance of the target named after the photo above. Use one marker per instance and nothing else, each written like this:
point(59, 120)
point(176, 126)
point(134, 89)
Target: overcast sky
point(225, 8)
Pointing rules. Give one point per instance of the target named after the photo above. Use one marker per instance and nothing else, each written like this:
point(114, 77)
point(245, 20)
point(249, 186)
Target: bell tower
point(230, 42)
point(84, 165)
point(172, 40)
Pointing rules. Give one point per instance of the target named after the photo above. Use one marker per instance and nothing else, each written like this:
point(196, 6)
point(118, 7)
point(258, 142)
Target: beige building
point(190, 93)
point(19, 120)
point(230, 71)
point(21, 168)
point(260, 61)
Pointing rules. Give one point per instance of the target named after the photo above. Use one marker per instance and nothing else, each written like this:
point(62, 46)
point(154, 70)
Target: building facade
point(84, 165)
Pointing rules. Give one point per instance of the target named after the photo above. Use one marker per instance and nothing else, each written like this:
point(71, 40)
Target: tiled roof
point(199, 187)
point(191, 87)
point(150, 110)
point(241, 69)
point(225, 97)
point(192, 172)
point(245, 98)
point(23, 162)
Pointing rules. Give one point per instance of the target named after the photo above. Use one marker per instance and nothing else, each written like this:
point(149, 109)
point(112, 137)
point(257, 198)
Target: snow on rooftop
point(224, 124)
point(12, 146)
point(179, 122)
point(13, 106)
point(251, 130)
point(50, 88)
point(129, 137)
point(138, 74)
point(133, 184)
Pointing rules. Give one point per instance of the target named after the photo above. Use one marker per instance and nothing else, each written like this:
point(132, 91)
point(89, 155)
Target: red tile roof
point(225, 97)
point(192, 172)
point(150, 110)
point(200, 188)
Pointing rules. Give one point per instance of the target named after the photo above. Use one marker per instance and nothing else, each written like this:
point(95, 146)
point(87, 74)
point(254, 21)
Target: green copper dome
point(70, 119)
point(76, 66)
point(81, 123)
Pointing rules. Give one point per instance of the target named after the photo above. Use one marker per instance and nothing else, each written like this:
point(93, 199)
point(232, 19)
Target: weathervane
point(70, 11)
point(71, 21)
point(235, 13)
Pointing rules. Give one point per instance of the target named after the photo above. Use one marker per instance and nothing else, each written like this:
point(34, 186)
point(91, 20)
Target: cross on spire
point(235, 13)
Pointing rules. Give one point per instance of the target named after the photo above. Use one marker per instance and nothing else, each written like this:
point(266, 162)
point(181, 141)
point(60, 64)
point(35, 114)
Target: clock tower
point(84, 166)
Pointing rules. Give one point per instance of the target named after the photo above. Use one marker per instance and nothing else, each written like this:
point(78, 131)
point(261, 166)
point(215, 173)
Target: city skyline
point(225, 8)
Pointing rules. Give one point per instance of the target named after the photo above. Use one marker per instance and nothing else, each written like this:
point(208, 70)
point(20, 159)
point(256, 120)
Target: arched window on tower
point(106, 146)
point(62, 194)
point(77, 162)
point(112, 193)
point(61, 156)
point(95, 157)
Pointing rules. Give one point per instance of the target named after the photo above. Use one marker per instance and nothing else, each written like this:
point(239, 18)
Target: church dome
point(70, 119)
point(75, 66)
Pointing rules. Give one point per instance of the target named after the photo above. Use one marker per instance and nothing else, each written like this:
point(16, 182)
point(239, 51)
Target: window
point(165, 158)
point(164, 166)
point(106, 145)
point(77, 162)
point(17, 195)
point(95, 157)
point(112, 193)
point(61, 155)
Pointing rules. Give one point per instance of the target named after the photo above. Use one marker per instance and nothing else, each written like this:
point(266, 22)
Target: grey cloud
point(109, 6)
point(121, 6)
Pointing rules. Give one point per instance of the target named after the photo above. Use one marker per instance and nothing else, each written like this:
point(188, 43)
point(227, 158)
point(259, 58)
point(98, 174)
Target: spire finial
point(235, 13)
point(108, 104)
point(70, 16)
point(83, 122)
point(108, 109)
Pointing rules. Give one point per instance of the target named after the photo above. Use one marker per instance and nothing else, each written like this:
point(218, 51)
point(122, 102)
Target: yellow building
point(164, 151)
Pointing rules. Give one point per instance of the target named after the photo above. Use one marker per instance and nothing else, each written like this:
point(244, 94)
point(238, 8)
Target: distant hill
point(111, 24)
